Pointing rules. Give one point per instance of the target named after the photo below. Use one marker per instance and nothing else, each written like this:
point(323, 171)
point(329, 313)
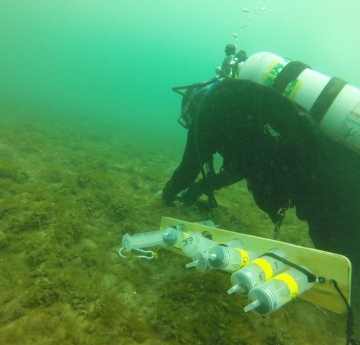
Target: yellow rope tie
point(155, 254)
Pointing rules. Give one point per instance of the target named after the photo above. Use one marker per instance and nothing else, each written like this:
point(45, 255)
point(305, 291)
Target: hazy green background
point(117, 59)
point(69, 190)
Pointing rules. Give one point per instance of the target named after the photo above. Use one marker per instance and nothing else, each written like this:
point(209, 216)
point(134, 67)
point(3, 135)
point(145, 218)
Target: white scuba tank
point(333, 103)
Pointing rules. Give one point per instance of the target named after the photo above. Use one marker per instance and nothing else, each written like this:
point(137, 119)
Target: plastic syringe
point(278, 291)
point(143, 240)
point(168, 236)
point(229, 259)
point(257, 272)
point(195, 241)
point(200, 260)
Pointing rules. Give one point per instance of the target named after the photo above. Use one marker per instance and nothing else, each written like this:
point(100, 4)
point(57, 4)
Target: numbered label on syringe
point(187, 241)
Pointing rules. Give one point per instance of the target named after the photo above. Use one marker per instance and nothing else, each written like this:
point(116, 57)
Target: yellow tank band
point(245, 257)
point(265, 266)
point(291, 284)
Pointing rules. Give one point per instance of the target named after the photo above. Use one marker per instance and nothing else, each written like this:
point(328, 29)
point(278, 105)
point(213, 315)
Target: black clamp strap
point(326, 98)
point(311, 277)
point(290, 72)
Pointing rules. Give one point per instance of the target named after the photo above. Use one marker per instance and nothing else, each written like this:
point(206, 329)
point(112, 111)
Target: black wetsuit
point(261, 135)
point(265, 138)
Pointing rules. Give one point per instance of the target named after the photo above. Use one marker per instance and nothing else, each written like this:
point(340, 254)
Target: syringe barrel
point(230, 259)
point(194, 241)
point(280, 290)
point(235, 243)
point(258, 271)
point(270, 265)
point(203, 262)
point(142, 240)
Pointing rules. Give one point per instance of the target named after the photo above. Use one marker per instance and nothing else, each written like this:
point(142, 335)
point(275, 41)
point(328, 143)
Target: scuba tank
point(333, 103)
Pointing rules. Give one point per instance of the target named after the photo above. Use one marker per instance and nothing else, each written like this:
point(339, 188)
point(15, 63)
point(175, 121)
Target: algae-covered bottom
point(69, 190)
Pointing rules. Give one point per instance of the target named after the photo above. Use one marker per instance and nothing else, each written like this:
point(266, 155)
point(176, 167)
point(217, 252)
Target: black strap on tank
point(290, 72)
point(326, 98)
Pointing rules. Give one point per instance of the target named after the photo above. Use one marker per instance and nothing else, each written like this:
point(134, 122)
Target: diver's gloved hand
point(167, 195)
point(190, 195)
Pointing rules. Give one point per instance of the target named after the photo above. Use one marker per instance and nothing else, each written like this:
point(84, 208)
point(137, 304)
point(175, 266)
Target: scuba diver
point(277, 146)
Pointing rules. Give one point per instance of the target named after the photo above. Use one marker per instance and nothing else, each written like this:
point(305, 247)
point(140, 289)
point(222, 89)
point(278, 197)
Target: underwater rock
point(53, 175)
point(7, 170)
point(120, 209)
point(21, 177)
point(3, 240)
point(83, 181)
point(10, 171)
point(87, 243)
point(99, 164)
point(136, 182)
point(5, 151)
point(117, 167)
